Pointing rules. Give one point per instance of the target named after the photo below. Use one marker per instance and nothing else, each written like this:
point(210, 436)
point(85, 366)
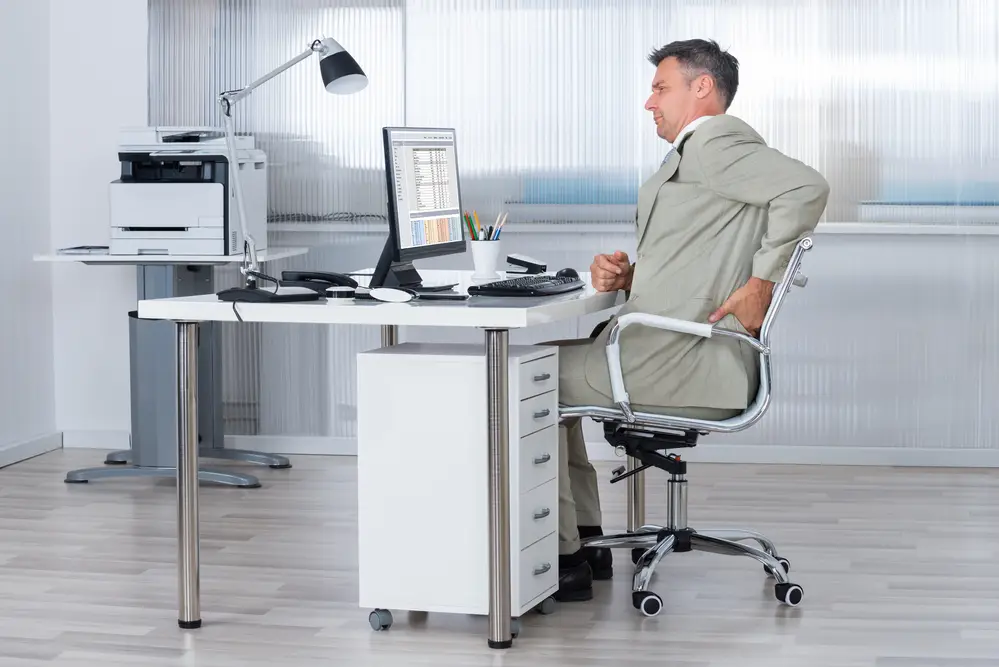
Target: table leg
point(497, 393)
point(636, 496)
point(188, 548)
point(390, 335)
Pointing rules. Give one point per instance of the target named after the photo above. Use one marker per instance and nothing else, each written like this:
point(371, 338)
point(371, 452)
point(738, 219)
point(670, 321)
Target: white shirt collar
point(690, 127)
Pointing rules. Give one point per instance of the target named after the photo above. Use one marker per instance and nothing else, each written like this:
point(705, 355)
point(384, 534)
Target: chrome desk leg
point(636, 497)
point(390, 335)
point(497, 394)
point(188, 556)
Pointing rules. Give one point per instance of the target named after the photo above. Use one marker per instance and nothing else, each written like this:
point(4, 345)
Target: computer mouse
point(567, 272)
point(392, 295)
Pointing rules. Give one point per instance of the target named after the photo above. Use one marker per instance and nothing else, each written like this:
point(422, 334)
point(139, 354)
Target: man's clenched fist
point(610, 273)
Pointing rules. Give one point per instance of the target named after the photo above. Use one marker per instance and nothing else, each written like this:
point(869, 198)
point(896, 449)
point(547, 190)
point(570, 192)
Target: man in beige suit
point(716, 226)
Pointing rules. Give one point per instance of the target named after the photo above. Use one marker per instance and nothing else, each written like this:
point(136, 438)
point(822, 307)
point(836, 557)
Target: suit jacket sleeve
point(738, 165)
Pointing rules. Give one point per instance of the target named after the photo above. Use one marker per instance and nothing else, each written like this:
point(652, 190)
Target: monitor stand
point(390, 273)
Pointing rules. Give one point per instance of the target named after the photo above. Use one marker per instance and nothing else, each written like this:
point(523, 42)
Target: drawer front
point(538, 458)
point(538, 376)
point(538, 513)
point(538, 568)
point(538, 413)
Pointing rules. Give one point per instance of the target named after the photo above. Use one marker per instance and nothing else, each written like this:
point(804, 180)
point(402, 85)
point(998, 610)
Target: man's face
point(673, 100)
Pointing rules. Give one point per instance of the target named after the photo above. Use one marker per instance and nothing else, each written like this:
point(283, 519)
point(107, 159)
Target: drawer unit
point(539, 376)
point(423, 477)
point(538, 571)
point(538, 412)
point(538, 515)
point(537, 460)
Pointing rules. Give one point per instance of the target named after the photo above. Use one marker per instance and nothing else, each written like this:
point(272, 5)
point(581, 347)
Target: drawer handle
point(541, 570)
point(542, 377)
point(544, 458)
point(542, 514)
point(542, 413)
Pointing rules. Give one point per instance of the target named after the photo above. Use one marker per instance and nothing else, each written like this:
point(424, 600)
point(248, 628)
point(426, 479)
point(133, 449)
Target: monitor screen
point(424, 196)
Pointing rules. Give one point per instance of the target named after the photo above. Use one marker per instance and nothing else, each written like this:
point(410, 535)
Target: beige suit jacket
point(722, 208)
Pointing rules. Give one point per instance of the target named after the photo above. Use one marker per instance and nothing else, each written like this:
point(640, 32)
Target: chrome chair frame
point(643, 435)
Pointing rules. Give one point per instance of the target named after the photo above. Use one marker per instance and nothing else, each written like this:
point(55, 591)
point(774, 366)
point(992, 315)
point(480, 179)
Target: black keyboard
point(533, 285)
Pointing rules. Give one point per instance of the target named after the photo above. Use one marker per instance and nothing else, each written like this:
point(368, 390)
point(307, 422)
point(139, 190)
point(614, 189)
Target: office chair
point(647, 437)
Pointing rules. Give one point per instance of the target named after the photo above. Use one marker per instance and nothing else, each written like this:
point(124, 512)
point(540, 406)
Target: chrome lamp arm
point(341, 74)
point(613, 348)
point(229, 98)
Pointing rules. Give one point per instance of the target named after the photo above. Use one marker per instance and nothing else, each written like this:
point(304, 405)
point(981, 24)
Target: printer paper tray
point(167, 205)
point(174, 246)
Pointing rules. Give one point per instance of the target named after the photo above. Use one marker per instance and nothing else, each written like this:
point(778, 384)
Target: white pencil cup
point(485, 260)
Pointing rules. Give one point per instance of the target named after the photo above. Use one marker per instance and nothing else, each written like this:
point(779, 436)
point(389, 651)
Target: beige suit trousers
point(578, 494)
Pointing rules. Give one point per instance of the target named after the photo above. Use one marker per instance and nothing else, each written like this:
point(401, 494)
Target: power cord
point(263, 276)
point(259, 276)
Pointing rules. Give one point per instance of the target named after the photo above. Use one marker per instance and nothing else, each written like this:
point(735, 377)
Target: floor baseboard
point(832, 456)
point(20, 451)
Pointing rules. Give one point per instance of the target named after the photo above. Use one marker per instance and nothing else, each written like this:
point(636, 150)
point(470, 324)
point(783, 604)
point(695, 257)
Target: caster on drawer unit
point(380, 619)
point(547, 606)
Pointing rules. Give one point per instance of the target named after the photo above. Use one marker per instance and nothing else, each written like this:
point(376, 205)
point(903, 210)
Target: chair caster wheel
point(380, 619)
point(647, 602)
point(789, 594)
point(547, 606)
point(784, 563)
point(636, 554)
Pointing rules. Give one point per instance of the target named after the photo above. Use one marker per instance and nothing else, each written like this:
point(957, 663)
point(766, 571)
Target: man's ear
point(705, 84)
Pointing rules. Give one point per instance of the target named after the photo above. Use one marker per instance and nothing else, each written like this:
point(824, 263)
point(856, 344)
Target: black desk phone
point(317, 280)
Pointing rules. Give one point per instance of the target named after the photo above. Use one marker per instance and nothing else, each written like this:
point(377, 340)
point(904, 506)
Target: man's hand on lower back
point(610, 273)
point(749, 304)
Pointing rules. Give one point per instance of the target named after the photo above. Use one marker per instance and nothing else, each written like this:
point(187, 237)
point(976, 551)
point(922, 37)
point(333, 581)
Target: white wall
point(102, 89)
point(27, 417)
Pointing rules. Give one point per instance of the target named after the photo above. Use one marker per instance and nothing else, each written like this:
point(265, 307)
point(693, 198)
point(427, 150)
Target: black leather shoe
point(575, 583)
point(601, 562)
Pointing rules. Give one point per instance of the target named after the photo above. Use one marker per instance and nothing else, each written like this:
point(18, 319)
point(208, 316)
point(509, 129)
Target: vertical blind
point(896, 102)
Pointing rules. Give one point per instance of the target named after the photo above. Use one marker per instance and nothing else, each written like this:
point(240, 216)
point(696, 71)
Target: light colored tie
point(668, 156)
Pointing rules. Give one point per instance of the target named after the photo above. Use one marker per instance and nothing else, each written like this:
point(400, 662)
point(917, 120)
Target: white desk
point(496, 315)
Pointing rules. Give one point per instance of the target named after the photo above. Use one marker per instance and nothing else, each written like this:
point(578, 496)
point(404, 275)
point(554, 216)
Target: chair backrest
point(792, 278)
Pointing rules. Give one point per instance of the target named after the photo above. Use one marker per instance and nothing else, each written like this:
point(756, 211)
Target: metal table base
point(153, 347)
point(214, 475)
point(276, 461)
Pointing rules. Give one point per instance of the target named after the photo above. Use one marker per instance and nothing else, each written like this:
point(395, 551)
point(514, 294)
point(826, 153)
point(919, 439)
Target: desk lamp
point(341, 76)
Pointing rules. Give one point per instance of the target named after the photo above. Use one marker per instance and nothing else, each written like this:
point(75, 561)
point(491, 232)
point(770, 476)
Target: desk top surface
point(477, 311)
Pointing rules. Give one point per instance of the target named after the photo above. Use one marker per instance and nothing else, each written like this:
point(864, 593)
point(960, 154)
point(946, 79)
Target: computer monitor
point(424, 202)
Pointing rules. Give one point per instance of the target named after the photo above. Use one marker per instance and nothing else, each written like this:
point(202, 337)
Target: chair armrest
point(669, 324)
point(614, 348)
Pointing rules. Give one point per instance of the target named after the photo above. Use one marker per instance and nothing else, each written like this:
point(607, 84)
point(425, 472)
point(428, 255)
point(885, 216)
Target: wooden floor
point(899, 567)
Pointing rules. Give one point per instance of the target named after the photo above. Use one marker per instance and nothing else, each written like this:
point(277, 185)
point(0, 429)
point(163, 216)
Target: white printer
point(174, 195)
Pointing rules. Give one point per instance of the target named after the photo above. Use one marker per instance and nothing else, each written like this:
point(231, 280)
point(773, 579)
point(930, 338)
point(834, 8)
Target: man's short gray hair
point(700, 56)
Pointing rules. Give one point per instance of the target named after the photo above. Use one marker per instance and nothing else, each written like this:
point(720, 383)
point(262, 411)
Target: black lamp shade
point(341, 73)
